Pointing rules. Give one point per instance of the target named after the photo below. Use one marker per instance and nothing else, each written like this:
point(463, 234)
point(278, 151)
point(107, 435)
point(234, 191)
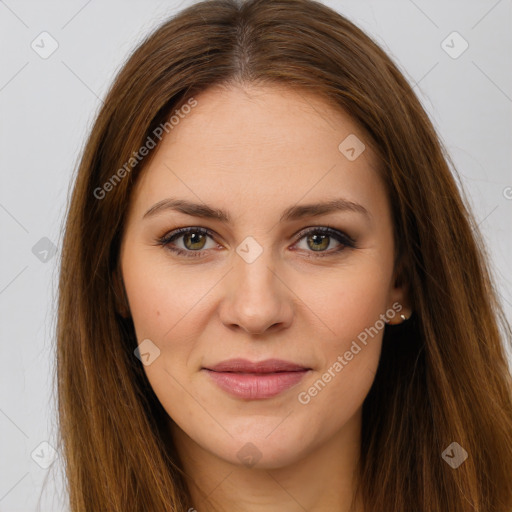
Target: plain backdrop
point(47, 106)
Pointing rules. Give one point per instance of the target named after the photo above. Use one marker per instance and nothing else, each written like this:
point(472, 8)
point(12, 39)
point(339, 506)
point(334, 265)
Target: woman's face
point(264, 283)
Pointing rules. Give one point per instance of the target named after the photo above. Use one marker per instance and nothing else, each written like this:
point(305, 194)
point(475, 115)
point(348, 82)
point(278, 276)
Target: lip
point(249, 380)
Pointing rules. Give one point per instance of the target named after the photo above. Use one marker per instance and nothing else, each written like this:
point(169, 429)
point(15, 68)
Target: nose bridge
point(254, 276)
point(258, 299)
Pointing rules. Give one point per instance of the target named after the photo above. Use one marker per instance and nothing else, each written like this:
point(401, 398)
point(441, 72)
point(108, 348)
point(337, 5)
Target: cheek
point(167, 305)
point(347, 300)
point(161, 297)
point(165, 309)
point(349, 305)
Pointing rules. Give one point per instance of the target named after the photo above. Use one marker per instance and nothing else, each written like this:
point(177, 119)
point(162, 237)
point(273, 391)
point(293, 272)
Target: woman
point(272, 295)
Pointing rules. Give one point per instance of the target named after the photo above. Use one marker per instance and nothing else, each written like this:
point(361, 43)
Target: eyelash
point(339, 236)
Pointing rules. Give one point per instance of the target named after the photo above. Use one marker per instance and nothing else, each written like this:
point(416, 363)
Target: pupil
point(319, 239)
point(194, 238)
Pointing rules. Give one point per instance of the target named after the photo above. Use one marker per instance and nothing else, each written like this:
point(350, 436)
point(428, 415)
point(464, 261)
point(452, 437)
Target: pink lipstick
point(256, 380)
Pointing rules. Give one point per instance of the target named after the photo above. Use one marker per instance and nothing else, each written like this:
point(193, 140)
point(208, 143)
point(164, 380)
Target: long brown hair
point(443, 375)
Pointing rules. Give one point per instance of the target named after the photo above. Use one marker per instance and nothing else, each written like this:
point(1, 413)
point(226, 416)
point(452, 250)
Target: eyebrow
point(295, 212)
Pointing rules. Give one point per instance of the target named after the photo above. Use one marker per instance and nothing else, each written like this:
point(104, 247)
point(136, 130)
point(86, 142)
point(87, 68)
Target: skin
point(255, 151)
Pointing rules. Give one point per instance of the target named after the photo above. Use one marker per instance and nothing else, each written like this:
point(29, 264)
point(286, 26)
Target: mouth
point(256, 380)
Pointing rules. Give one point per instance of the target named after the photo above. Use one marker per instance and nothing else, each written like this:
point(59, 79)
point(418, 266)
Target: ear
point(399, 295)
point(121, 300)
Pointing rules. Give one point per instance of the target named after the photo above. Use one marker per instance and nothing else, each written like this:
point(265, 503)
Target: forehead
point(270, 144)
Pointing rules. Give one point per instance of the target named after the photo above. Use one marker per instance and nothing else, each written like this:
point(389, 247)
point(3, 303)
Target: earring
point(403, 319)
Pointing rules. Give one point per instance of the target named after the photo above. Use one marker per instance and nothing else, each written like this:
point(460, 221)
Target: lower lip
point(252, 386)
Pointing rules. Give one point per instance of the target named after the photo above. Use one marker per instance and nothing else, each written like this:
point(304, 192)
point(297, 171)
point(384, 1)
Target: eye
point(318, 240)
point(194, 241)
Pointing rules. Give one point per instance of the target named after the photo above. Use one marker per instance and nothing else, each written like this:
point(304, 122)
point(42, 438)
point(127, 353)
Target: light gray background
point(47, 107)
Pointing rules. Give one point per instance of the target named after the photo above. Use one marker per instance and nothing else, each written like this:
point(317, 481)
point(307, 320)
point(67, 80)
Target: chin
point(261, 450)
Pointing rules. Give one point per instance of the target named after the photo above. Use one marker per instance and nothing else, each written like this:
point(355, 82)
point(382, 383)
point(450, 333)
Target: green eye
point(194, 239)
point(318, 240)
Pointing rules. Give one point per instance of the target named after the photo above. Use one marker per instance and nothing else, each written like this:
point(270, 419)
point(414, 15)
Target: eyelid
point(341, 237)
point(177, 233)
point(329, 230)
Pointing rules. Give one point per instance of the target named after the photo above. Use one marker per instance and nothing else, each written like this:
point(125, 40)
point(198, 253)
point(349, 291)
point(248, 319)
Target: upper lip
point(266, 366)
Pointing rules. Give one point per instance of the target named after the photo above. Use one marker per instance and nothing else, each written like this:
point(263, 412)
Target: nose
point(257, 298)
